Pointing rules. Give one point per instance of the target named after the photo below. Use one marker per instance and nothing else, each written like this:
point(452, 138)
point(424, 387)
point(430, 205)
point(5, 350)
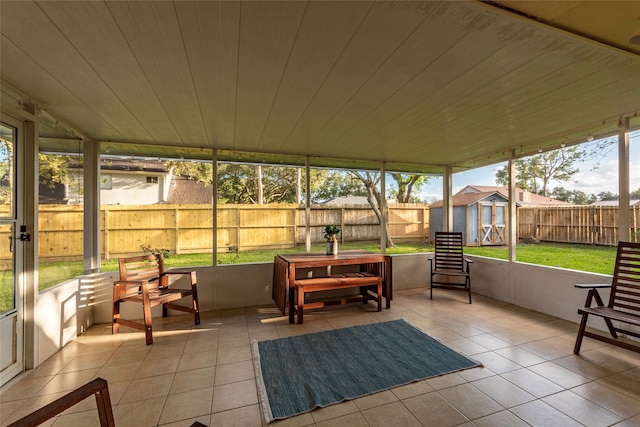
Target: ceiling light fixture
point(635, 37)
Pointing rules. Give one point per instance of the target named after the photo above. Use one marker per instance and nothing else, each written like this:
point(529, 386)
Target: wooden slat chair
point(624, 301)
point(449, 267)
point(144, 280)
point(98, 387)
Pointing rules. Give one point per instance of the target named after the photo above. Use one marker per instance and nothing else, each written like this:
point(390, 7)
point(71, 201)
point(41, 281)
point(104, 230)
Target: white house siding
point(133, 189)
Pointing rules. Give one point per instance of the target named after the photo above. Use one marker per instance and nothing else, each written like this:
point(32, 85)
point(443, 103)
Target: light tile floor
point(530, 375)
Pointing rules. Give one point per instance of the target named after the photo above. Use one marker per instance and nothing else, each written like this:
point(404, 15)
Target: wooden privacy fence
point(592, 225)
point(184, 229)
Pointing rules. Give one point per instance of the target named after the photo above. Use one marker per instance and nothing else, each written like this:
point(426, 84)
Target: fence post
point(238, 215)
point(106, 233)
point(342, 226)
point(295, 227)
point(176, 229)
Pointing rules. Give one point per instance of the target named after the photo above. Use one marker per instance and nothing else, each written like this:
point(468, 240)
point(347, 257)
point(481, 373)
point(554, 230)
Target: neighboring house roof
point(634, 202)
point(467, 199)
point(523, 198)
point(184, 191)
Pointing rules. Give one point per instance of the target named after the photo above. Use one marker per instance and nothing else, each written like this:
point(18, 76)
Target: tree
point(607, 195)
point(6, 171)
point(533, 173)
point(195, 171)
point(54, 169)
point(329, 184)
point(407, 183)
point(241, 184)
point(371, 181)
point(635, 194)
point(576, 197)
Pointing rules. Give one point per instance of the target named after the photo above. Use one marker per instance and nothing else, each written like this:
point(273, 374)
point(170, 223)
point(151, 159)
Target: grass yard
point(594, 259)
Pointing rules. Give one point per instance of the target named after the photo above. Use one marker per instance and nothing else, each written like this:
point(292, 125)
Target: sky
point(592, 178)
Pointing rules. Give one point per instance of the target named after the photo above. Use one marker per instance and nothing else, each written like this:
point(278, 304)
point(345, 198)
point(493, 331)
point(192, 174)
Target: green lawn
point(594, 259)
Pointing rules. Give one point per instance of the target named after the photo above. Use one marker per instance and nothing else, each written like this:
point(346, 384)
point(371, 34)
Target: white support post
point(383, 208)
point(624, 220)
point(214, 205)
point(513, 225)
point(447, 199)
point(512, 214)
point(30, 254)
point(91, 186)
point(307, 204)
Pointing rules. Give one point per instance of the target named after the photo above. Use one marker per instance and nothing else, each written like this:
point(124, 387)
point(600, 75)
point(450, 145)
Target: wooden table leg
point(291, 304)
point(300, 292)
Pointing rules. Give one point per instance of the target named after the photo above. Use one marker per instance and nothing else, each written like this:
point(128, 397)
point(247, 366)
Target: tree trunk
point(373, 196)
point(374, 200)
point(260, 190)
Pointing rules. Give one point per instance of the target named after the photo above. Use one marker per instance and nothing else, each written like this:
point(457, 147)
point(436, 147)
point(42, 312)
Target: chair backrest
point(141, 268)
point(625, 287)
point(448, 251)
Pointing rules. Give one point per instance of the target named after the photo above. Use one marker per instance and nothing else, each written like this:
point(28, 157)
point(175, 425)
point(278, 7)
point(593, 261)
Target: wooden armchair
point(624, 302)
point(98, 387)
point(449, 268)
point(144, 280)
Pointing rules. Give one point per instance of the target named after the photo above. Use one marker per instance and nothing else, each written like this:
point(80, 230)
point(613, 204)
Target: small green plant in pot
point(331, 236)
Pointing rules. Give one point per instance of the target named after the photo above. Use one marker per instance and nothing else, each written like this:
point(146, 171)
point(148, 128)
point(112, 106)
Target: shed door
point(491, 219)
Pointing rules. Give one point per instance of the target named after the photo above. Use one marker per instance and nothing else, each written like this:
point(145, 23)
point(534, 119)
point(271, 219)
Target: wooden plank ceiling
point(416, 84)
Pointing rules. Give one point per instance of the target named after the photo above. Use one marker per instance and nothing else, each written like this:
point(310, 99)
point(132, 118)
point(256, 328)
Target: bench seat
point(613, 314)
point(302, 287)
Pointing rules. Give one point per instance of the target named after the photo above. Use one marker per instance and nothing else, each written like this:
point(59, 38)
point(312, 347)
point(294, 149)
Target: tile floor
point(205, 373)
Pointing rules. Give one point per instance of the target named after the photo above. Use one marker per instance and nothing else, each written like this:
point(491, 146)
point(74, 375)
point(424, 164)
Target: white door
point(11, 247)
point(492, 224)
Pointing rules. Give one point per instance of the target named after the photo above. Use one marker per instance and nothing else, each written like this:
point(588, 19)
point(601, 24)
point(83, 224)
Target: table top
point(342, 258)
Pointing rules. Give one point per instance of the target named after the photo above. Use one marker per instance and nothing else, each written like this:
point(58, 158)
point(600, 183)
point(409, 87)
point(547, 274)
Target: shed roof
point(467, 199)
point(523, 198)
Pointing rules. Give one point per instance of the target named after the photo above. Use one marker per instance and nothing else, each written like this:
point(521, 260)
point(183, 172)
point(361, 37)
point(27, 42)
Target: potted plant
point(331, 236)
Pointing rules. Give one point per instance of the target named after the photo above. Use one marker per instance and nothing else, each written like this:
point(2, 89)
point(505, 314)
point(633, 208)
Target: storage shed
point(481, 217)
point(480, 213)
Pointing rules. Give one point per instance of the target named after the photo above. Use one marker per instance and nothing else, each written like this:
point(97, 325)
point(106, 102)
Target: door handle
point(24, 236)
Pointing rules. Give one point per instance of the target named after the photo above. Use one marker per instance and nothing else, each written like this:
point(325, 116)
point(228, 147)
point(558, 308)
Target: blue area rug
point(300, 373)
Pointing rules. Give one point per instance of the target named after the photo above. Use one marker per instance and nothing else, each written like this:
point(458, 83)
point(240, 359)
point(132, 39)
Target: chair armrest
point(191, 274)
point(132, 282)
point(179, 272)
point(470, 261)
point(592, 285)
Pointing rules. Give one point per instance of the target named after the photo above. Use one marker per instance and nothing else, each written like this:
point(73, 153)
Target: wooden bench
point(302, 287)
point(624, 301)
point(144, 280)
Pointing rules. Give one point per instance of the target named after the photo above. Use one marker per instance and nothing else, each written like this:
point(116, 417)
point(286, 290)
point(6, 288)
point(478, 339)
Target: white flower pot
point(332, 248)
